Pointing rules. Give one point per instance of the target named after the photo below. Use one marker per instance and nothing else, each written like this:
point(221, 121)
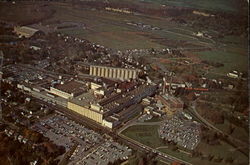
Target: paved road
point(232, 139)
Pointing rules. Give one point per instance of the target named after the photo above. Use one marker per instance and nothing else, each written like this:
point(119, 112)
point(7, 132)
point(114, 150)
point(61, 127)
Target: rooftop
point(71, 87)
point(84, 99)
point(26, 29)
point(171, 99)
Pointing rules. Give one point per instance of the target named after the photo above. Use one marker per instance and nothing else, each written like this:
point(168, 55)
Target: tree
point(229, 160)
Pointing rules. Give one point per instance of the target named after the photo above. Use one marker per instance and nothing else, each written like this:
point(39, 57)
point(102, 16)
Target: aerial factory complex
point(106, 82)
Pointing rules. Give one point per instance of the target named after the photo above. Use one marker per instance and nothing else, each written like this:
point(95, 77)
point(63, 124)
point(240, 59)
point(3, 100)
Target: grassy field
point(231, 60)
point(179, 155)
point(146, 134)
point(224, 150)
point(213, 5)
point(110, 29)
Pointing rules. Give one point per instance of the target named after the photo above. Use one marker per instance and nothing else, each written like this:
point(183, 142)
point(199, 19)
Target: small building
point(172, 104)
point(234, 74)
point(110, 122)
point(146, 101)
point(20, 138)
point(94, 85)
point(157, 113)
point(25, 31)
point(148, 109)
point(35, 48)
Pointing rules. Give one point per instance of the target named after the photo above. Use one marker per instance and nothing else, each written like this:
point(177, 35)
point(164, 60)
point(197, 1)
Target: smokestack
point(164, 85)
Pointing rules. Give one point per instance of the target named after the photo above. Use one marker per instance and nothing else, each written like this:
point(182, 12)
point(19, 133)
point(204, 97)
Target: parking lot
point(91, 146)
point(105, 153)
point(185, 133)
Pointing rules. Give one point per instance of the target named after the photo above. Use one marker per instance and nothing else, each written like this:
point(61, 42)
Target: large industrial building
point(105, 101)
point(114, 73)
point(112, 109)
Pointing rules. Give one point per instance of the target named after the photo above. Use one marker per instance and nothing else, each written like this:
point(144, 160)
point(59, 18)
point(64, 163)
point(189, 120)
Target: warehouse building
point(25, 31)
point(114, 73)
point(112, 110)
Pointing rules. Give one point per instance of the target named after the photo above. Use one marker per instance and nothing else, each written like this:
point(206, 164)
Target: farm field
point(111, 29)
point(215, 5)
point(231, 60)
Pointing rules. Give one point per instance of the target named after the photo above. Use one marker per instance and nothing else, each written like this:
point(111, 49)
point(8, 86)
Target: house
point(20, 138)
point(234, 74)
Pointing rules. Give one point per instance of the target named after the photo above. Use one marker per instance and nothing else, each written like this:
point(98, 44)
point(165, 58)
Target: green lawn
point(110, 29)
point(145, 134)
point(231, 61)
point(213, 5)
point(177, 154)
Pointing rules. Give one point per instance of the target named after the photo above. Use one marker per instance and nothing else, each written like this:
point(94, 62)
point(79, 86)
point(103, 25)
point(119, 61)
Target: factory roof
point(127, 85)
point(98, 66)
point(129, 109)
point(111, 98)
point(111, 119)
point(171, 99)
point(106, 81)
point(70, 87)
point(25, 29)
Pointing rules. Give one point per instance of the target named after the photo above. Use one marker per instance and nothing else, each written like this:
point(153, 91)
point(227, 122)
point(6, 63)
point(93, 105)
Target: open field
point(148, 135)
point(23, 13)
point(224, 150)
point(231, 61)
point(215, 5)
point(111, 29)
